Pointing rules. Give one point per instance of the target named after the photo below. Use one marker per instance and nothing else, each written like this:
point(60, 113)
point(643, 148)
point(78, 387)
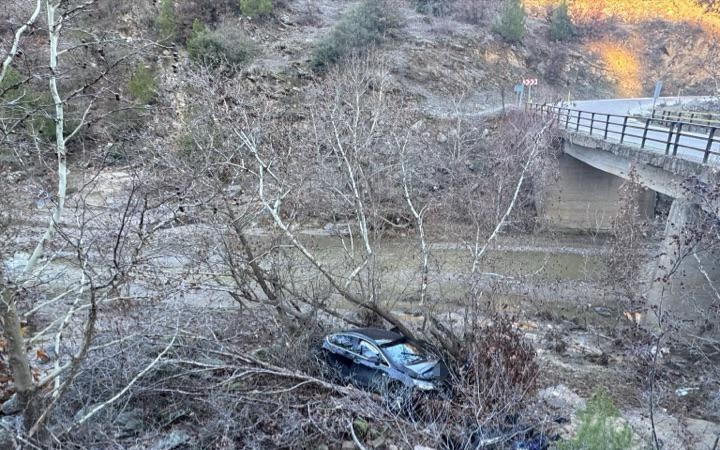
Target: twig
point(122, 392)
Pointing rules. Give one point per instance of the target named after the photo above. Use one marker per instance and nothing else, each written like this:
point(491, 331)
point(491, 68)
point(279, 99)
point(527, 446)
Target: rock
point(441, 138)
point(603, 311)
point(361, 427)
point(703, 433)
point(11, 406)
point(129, 423)
point(581, 345)
point(322, 447)
point(377, 443)
point(562, 398)
point(527, 325)
point(348, 445)
point(392, 447)
point(171, 441)
point(673, 433)
point(420, 447)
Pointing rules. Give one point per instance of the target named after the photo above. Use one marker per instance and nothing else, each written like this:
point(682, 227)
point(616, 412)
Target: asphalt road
point(691, 144)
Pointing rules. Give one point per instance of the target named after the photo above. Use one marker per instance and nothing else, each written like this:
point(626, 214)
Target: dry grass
point(635, 11)
point(622, 63)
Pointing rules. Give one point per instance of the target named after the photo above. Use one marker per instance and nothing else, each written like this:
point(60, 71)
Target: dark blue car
point(381, 359)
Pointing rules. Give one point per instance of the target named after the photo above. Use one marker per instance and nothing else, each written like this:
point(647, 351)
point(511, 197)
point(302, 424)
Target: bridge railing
point(694, 118)
point(675, 140)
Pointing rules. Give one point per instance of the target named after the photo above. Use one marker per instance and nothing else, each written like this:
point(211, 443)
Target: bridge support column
point(685, 286)
point(586, 198)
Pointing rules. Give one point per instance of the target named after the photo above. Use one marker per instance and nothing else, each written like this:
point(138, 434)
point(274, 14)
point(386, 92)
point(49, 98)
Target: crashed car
point(384, 360)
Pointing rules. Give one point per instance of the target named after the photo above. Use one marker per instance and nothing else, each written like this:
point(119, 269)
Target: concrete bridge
point(606, 142)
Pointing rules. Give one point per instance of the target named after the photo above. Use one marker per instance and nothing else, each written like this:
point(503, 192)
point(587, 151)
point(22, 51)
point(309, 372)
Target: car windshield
point(405, 353)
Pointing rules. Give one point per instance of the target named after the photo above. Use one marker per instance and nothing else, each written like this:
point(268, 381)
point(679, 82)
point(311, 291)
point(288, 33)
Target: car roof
point(376, 334)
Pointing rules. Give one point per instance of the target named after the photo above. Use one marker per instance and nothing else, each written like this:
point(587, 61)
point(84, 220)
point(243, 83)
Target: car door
point(343, 353)
point(370, 365)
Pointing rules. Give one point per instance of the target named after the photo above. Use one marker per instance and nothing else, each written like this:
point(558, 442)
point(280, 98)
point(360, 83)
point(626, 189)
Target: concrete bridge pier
point(586, 198)
point(685, 285)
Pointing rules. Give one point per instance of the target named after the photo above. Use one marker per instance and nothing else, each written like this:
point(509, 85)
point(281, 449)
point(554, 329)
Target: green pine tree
point(561, 27)
point(255, 8)
point(511, 24)
point(166, 20)
point(600, 427)
point(142, 84)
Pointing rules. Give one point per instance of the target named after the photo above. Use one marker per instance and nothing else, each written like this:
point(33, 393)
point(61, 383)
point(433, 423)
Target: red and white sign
point(530, 81)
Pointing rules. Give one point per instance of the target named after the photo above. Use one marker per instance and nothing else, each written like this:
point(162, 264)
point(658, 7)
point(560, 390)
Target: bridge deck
point(680, 140)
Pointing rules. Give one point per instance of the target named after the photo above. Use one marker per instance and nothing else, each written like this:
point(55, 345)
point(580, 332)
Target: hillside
point(439, 60)
point(318, 224)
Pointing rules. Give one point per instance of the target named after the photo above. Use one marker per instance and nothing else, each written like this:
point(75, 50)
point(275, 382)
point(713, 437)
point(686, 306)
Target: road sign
point(658, 88)
point(529, 82)
point(519, 89)
point(656, 94)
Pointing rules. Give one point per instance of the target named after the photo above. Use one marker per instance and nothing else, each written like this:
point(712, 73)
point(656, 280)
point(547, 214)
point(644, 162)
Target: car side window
point(369, 351)
point(343, 341)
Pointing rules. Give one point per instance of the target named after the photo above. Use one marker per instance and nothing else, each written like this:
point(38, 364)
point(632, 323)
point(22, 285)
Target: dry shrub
point(500, 371)
point(209, 12)
point(475, 11)
point(493, 391)
point(626, 258)
point(556, 64)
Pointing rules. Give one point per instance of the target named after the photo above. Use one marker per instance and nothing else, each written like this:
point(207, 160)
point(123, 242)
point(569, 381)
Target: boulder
point(11, 406)
point(171, 441)
point(561, 398)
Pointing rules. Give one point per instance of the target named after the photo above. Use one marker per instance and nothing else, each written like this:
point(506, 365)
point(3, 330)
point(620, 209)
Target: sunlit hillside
point(633, 11)
point(622, 64)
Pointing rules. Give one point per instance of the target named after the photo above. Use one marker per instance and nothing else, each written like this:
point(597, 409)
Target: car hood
point(428, 370)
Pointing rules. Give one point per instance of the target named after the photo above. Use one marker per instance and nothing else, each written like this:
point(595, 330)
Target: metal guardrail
point(633, 131)
point(695, 118)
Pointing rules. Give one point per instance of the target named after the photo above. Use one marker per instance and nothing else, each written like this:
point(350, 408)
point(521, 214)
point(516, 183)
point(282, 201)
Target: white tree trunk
point(54, 27)
point(16, 41)
point(420, 221)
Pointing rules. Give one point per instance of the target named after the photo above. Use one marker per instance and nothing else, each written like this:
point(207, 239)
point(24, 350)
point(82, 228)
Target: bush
point(500, 369)
point(11, 84)
point(474, 11)
point(18, 96)
point(142, 84)
point(209, 12)
point(360, 28)
point(255, 8)
point(166, 20)
point(599, 428)
point(511, 24)
point(438, 8)
point(226, 46)
point(556, 65)
point(561, 27)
